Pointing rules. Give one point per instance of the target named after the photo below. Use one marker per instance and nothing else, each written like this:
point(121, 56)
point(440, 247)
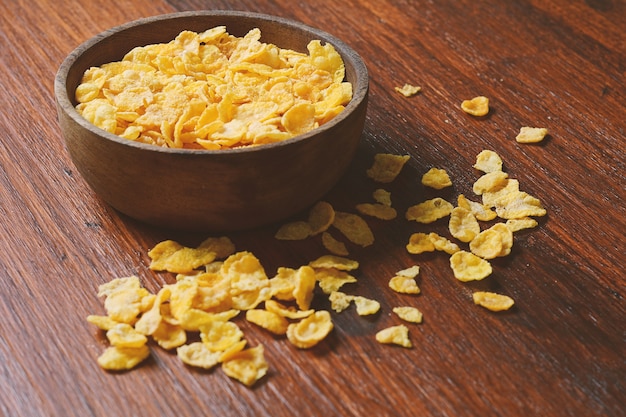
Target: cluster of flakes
point(214, 283)
point(212, 90)
point(501, 199)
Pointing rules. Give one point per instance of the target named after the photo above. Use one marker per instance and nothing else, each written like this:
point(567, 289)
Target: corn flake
point(531, 134)
point(268, 320)
point(366, 306)
point(443, 244)
point(321, 216)
point(297, 230)
point(410, 314)
point(339, 301)
point(333, 245)
point(404, 285)
point(436, 178)
point(515, 225)
point(247, 366)
point(419, 243)
point(386, 167)
point(477, 106)
point(408, 90)
point(382, 196)
point(487, 244)
point(336, 262)
point(122, 358)
point(429, 210)
point(397, 335)
point(488, 161)
point(517, 205)
point(380, 211)
point(493, 301)
point(288, 312)
point(331, 279)
point(354, 228)
point(490, 182)
point(463, 225)
point(125, 336)
point(197, 354)
point(468, 267)
point(311, 330)
point(480, 211)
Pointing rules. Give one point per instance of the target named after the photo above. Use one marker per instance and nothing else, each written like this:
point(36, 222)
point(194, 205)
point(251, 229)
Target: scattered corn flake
point(410, 314)
point(436, 178)
point(463, 224)
point(197, 354)
point(517, 205)
point(222, 246)
point(125, 336)
point(366, 306)
point(169, 336)
point(334, 246)
point(382, 196)
point(378, 210)
point(404, 285)
point(305, 284)
point(150, 320)
point(220, 335)
point(490, 198)
point(354, 228)
point(311, 330)
point(119, 284)
point(249, 285)
point(386, 167)
point(480, 211)
point(487, 244)
point(124, 305)
point(268, 320)
point(419, 243)
point(493, 301)
point(247, 366)
point(321, 216)
point(408, 90)
point(429, 210)
point(283, 284)
point(288, 312)
point(468, 267)
point(477, 106)
point(339, 301)
point(397, 335)
point(515, 225)
point(121, 359)
point(296, 230)
point(336, 262)
point(490, 182)
point(102, 322)
point(443, 244)
point(488, 161)
point(410, 272)
point(506, 235)
point(233, 350)
point(531, 134)
point(331, 279)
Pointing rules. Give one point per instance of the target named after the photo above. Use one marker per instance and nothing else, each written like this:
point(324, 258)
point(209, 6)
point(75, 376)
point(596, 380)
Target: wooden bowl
point(202, 190)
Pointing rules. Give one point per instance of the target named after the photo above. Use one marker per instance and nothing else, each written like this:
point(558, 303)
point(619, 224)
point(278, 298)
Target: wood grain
point(557, 64)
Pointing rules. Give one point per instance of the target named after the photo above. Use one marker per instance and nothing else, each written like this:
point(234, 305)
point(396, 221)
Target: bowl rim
point(359, 93)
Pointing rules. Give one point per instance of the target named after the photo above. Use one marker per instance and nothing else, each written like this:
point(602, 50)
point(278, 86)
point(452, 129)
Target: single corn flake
point(268, 320)
point(408, 90)
point(410, 272)
point(321, 216)
point(288, 312)
point(436, 178)
point(404, 285)
point(468, 267)
point(463, 224)
point(443, 244)
point(487, 244)
point(334, 246)
point(310, 331)
point(515, 225)
point(333, 261)
point(197, 354)
point(490, 182)
point(491, 198)
point(380, 211)
point(410, 314)
point(386, 167)
point(220, 335)
point(174, 257)
point(429, 210)
point(247, 366)
point(102, 322)
point(477, 106)
point(531, 134)
point(296, 230)
point(493, 301)
point(420, 243)
point(366, 306)
point(305, 284)
point(382, 196)
point(339, 301)
point(517, 205)
point(488, 161)
point(121, 359)
point(506, 235)
point(397, 335)
point(354, 228)
point(125, 336)
point(331, 279)
point(170, 336)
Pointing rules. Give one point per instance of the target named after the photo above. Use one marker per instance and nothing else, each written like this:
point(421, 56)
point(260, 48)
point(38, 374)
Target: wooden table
point(560, 351)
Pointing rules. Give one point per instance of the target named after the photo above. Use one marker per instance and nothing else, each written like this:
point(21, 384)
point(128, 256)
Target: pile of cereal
point(212, 90)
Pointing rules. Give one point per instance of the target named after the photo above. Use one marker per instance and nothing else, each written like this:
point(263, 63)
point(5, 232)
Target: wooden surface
point(557, 64)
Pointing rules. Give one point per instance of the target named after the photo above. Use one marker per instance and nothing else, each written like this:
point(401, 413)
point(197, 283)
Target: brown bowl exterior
point(200, 190)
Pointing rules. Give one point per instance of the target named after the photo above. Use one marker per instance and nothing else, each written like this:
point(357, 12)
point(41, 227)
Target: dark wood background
point(560, 351)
